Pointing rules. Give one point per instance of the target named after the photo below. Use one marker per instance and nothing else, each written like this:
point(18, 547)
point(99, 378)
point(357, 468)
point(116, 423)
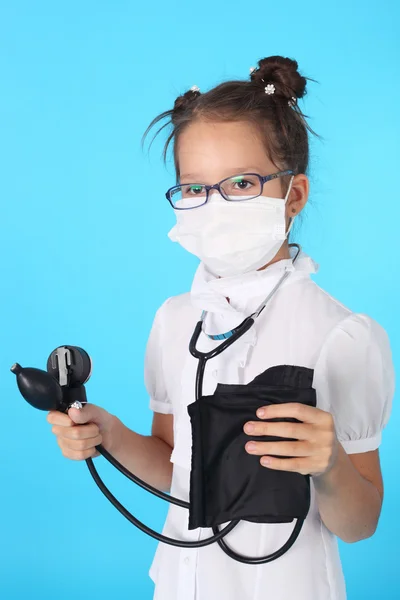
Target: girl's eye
point(239, 184)
point(193, 190)
point(243, 184)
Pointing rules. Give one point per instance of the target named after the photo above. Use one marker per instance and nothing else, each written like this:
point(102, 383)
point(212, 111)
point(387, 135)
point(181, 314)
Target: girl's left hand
point(315, 446)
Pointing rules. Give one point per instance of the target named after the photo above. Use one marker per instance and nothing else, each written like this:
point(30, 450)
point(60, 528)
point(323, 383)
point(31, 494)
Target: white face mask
point(232, 238)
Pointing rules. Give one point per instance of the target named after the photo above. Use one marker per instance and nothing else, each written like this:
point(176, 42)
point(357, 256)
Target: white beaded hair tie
point(270, 89)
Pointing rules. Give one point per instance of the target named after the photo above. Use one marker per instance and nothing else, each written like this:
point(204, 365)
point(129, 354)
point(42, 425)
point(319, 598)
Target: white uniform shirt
point(353, 376)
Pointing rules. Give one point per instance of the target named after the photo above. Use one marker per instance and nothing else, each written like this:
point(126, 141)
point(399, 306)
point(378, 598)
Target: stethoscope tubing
point(262, 559)
point(144, 528)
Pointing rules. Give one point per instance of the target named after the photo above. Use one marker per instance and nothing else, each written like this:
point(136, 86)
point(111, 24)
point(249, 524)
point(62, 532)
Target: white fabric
point(233, 237)
point(353, 375)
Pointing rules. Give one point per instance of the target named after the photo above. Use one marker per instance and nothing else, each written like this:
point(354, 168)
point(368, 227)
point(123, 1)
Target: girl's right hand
point(79, 431)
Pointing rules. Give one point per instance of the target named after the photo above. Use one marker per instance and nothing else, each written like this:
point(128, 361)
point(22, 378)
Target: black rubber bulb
point(38, 387)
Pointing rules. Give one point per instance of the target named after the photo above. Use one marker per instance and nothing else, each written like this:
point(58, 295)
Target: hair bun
point(182, 102)
point(283, 73)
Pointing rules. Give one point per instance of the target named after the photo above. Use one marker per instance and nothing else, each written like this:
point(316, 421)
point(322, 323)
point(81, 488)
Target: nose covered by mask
point(231, 237)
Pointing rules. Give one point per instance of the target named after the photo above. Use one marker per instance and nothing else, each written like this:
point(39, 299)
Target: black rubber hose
point(146, 486)
point(154, 534)
point(263, 559)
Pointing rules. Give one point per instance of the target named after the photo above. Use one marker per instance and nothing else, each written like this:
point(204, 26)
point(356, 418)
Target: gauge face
point(70, 365)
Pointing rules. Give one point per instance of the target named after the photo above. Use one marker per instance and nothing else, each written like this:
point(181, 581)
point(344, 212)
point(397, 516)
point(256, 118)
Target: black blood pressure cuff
point(227, 483)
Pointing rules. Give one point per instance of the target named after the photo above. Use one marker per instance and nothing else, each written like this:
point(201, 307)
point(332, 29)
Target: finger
point(89, 413)
point(297, 431)
point(55, 417)
point(294, 465)
point(278, 448)
point(78, 445)
point(294, 410)
point(79, 454)
point(77, 432)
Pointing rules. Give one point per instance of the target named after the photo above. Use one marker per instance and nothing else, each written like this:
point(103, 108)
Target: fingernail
point(260, 412)
point(251, 446)
point(249, 427)
point(265, 461)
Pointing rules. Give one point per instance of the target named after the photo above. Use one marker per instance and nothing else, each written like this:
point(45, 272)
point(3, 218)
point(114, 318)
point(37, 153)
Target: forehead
point(209, 151)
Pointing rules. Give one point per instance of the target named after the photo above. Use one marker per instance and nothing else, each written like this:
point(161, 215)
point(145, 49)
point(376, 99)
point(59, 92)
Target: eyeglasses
point(238, 188)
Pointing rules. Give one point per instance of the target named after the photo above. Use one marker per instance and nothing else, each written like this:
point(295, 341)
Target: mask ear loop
point(286, 199)
point(289, 189)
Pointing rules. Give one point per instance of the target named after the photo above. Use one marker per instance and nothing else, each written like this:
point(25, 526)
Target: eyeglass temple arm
point(276, 175)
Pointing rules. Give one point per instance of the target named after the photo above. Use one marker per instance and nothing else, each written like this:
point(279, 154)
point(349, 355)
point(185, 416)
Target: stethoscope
point(229, 338)
point(34, 381)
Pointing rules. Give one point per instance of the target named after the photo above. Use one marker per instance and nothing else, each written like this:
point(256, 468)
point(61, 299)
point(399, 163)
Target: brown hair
point(277, 117)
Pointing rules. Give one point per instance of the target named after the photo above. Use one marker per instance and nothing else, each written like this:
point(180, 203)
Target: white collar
point(210, 292)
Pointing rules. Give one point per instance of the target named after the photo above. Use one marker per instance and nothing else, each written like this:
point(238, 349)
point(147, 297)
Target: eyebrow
point(233, 171)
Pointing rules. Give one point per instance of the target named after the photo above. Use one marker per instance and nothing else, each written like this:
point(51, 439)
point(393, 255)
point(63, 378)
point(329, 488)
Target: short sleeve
point(354, 379)
point(153, 367)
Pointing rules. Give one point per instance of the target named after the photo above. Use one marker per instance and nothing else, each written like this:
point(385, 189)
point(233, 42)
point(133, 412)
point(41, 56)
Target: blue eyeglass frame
point(217, 186)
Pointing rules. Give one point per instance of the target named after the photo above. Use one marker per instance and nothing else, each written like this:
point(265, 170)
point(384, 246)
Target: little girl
point(241, 155)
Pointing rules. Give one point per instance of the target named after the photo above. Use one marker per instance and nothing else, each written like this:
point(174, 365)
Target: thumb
point(89, 413)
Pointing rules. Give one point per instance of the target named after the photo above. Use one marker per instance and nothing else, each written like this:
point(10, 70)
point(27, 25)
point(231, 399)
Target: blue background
point(85, 257)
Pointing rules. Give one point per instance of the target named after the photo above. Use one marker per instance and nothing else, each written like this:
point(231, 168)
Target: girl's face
point(211, 151)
